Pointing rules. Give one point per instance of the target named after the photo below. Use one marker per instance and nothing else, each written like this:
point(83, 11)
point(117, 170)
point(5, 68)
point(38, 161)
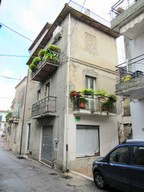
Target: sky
point(21, 21)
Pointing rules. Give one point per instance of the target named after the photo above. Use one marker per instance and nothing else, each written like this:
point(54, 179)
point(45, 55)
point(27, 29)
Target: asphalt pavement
point(19, 174)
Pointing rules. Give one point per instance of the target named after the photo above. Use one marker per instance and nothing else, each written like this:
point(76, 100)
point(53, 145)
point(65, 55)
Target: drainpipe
point(67, 92)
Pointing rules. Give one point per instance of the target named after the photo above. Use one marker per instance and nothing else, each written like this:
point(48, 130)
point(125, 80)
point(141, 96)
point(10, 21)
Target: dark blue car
point(122, 168)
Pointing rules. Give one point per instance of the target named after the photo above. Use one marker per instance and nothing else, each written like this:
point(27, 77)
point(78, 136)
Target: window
point(0, 117)
point(87, 140)
point(119, 155)
point(47, 89)
point(39, 95)
point(90, 82)
point(138, 155)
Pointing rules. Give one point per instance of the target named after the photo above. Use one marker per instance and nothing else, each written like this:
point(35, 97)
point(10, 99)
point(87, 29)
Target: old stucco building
point(56, 130)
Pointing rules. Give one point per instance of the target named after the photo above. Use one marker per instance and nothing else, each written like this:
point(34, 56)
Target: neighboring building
point(3, 123)
point(57, 131)
point(129, 22)
point(16, 121)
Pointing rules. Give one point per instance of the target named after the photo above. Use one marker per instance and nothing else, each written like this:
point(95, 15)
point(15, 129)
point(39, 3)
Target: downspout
point(67, 90)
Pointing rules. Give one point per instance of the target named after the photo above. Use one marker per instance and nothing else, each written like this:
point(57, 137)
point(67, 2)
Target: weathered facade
point(129, 23)
point(57, 131)
point(16, 121)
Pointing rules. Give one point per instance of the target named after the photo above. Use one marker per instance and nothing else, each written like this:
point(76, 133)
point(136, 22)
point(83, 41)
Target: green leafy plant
point(83, 100)
point(107, 106)
point(101, 92)
point(112, 98)
point(36, 60)
point(8, 116)
point(41, 53)
point(33, 67)
point(88, 92)
point(51, 55)
point(54, 48)
point(126, 78)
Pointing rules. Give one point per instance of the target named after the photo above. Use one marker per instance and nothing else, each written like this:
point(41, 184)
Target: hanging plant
point(41, 53)
point(36, 60)
point(33, 67)
point(54, 48)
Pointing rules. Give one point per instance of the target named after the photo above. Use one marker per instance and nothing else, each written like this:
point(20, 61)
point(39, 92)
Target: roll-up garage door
point(47, 145)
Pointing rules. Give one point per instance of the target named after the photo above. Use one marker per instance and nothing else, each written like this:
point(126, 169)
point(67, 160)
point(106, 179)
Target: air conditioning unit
point(57, 34)
point(57, 30)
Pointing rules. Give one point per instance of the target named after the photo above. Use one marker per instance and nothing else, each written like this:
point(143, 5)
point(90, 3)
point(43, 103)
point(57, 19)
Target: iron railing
point(43, 62)
point(120, 6)
point(93, 104)
point(89, 13)
point(45, 106)
point(131, 68)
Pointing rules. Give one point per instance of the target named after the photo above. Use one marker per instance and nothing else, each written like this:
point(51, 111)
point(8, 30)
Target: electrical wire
point(9, 77)
point(16, 32)
point(6, 55)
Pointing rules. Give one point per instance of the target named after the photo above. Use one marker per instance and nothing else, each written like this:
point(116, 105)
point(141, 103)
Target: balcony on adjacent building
point(131, 78)
point(93, 105)
point(46, 68)
point(44, 107)
point(127, 17)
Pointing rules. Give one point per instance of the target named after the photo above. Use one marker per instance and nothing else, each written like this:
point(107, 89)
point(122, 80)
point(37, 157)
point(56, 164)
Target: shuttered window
point(87, 140)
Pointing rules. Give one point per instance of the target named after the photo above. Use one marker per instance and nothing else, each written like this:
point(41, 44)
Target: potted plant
point(51, 56)
point(33, 67)
point(88, 92)
point(36, 60)
point(41, 53)
point(100, 92)
point(126, 78)
point(82, 102)
point(54, 48)
point(74, 93)
point(112, 98)
point(107, 106)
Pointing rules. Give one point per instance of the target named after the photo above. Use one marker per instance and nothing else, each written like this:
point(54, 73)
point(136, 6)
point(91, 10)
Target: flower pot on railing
point(82, 102)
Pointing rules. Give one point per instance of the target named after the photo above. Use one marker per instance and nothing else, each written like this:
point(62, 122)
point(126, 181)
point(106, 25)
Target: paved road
point(26, 175)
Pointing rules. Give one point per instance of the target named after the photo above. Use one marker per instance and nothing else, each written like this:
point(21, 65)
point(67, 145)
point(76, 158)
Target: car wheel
point(99, 180)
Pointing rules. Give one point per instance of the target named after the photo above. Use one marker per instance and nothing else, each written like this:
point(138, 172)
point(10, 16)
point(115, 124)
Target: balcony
point(44, 107)
point(46, 68)
point(127, 18)
point(93, 105)
point(131, 78)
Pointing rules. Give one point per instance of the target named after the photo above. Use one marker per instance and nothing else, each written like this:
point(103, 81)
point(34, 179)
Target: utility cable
point(6, 55)
point(16, 32)
point(9, 77)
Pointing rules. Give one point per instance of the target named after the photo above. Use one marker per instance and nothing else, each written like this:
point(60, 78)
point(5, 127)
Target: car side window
point(119, 155)
point(138, 155)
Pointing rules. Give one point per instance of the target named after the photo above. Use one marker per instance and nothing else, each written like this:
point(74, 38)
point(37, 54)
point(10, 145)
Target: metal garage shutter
point(47, 145)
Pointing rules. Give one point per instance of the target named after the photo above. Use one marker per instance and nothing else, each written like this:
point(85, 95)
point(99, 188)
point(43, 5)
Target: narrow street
point(25, 175)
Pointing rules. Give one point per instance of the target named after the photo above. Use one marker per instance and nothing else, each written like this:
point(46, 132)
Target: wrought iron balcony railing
point(120, 6)
point(131, 69)
point(46, 106)
point(46, 68)
point(93, 104)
